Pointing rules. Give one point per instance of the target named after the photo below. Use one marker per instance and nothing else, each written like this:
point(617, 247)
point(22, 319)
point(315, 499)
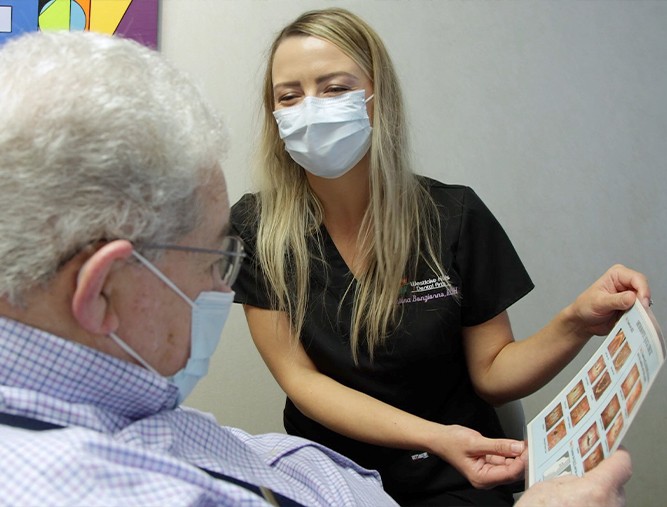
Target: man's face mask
point(326, 136)
point(209, 313)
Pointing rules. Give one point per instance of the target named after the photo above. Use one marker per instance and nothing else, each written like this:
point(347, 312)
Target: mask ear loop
point(369, 98)
point(172, 286)
point(132, 352)
point(162, 277)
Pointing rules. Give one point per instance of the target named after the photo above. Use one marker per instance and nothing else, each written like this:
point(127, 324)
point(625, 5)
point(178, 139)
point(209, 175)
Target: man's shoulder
point(80, 466)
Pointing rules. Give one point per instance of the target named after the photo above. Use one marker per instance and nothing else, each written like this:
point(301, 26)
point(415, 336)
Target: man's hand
point(601, 487)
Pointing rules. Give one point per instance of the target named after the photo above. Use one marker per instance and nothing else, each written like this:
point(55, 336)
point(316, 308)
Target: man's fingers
point(616, 469)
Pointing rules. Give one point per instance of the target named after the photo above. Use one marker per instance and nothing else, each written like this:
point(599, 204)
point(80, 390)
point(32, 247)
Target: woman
point(378, 298)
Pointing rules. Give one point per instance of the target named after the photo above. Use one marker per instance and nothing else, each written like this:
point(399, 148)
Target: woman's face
point(305, 66)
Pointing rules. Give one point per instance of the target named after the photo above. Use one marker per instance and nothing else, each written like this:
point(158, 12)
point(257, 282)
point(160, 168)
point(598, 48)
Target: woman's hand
point(485, 462)
point(502, 369)
point(597, 309)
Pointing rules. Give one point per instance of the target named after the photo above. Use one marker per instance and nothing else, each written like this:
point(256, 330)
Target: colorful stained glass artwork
point(133, 19)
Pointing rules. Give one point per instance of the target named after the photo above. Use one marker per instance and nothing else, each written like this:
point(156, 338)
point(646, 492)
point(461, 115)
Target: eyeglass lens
point(230, 265)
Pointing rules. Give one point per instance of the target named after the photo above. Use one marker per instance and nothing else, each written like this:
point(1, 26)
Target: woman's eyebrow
point(331, 75)
point(318, 80)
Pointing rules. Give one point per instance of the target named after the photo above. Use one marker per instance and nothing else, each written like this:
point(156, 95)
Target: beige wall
point(555, 113)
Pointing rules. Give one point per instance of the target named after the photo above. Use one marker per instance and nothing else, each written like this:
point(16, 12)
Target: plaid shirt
point(126, 445)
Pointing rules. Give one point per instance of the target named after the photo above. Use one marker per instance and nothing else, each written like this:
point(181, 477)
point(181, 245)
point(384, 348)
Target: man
point(114, 287)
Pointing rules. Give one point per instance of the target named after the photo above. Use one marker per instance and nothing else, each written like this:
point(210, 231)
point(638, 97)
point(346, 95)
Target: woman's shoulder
point(244, 215)
point(447, 194)
point(245, 208)
point(245, 203)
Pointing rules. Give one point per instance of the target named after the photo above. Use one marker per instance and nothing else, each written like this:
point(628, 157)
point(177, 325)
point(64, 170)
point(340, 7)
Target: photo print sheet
point(587, 420)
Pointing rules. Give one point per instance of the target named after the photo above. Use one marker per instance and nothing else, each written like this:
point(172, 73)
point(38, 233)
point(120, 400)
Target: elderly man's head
point(101, 139)
point(107, 152)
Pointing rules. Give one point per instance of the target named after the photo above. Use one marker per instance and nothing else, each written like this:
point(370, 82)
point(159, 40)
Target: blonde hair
point(401, 223)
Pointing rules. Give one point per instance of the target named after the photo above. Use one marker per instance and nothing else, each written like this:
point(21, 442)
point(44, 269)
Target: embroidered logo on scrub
point(423, 291)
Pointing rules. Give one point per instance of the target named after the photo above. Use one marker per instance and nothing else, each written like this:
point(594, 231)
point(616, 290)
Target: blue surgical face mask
point(209, 313)
point(326, 136)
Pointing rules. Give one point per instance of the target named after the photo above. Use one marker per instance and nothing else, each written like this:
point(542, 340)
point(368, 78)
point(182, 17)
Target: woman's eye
point(336, 89)
point(287, 99)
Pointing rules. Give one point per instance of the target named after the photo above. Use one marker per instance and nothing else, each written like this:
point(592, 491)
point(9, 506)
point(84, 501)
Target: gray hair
point(101, 139)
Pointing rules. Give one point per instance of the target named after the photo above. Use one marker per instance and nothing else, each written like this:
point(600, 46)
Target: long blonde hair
point(401, 223)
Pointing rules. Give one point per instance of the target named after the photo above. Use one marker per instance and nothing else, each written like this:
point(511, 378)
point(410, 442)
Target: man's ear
point(90, 304)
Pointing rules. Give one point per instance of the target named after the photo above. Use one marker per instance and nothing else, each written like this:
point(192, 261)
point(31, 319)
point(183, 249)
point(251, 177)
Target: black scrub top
point(421, 369)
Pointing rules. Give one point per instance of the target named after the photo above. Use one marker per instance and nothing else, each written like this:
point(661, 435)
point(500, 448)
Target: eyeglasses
point(231, 256)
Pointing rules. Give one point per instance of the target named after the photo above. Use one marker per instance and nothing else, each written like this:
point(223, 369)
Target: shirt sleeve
point(316, 468)
point(250, 287)
point(492, 274)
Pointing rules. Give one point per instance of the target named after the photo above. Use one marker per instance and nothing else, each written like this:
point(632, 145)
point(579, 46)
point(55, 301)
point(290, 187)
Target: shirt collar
point(39, 361)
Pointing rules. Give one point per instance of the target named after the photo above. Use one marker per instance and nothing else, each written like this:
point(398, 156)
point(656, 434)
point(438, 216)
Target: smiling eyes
point(293, 97)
